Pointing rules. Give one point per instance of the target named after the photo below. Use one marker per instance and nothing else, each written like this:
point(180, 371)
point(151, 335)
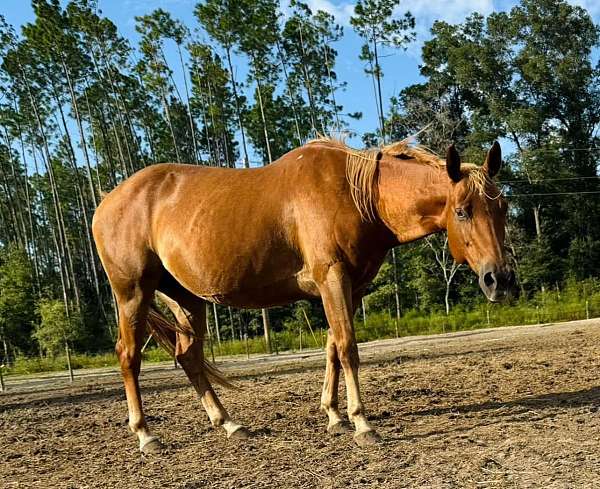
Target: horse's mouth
point(498, 285)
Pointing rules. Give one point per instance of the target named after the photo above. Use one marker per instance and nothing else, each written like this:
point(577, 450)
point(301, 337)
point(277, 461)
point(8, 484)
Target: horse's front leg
point(329, 397)
point(336, 293)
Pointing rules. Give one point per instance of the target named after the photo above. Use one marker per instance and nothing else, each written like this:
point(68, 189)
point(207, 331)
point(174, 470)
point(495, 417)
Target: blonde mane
point(361, 169)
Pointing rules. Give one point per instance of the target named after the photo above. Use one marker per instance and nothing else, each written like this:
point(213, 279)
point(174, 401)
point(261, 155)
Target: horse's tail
point(164, 332)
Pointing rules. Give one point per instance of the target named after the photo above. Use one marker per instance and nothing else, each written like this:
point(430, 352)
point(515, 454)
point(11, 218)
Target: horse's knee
point(332, 354)
point(189, 354)
point(129, 357)
point(347, 352)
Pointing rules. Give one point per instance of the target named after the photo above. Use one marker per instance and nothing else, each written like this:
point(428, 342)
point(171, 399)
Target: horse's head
point(475, 216)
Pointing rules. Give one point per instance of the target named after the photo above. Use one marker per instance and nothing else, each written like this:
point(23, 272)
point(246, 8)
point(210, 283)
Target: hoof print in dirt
point(338, 428)
point(367, 438)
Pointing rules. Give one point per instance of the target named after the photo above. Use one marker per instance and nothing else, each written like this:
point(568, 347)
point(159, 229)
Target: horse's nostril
point(489, 279)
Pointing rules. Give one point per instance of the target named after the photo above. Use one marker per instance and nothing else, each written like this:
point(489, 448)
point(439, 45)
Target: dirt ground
point(513, 407)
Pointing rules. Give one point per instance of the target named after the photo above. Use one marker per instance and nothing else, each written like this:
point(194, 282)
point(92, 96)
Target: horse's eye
point(461, 214)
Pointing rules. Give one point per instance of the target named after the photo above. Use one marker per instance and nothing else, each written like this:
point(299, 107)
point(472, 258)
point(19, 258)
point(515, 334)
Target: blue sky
point(400, 68)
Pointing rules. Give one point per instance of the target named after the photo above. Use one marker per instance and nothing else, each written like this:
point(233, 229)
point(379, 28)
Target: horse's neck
point(411, 198)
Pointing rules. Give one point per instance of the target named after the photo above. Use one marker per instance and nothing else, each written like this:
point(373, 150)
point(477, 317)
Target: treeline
point(82, 109)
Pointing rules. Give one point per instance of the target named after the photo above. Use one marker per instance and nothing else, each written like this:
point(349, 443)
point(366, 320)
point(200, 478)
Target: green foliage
point(36, 364)
point(213, 102)
point(57, 328)
point(373, 20)
point(575, 301)
point(17, 311)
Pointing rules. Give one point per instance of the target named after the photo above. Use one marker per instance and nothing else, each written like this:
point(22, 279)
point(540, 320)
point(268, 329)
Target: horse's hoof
point(367, 438)
point(338, 428)
point(152, 447)
point(240, 434)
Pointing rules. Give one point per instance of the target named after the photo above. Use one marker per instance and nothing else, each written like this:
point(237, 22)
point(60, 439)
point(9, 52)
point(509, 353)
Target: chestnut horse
point(316, 223)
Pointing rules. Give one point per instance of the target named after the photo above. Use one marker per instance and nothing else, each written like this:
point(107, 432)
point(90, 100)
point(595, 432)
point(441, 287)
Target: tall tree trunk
point(379, 97)
point(237, 107)
point(119, 111)
point(94, 142)
point(536, 217)
point(307, 84)
point(331, 86)
point(34, 250)
point(163, 98)
point(17, 231)
point(82, 139)
point(86, 221)
point(264, 121)
point(290, 94)
point(189, 108)
point(211, 141)
point(61, 242)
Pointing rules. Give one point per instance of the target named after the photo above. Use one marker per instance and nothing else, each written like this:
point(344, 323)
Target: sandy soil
point(514, 407)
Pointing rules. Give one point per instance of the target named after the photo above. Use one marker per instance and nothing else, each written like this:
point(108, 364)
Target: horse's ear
point(453, 164)
point(493, 162)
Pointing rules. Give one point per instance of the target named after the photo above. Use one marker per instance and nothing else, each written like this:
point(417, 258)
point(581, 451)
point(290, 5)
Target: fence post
point(364, 312)
point(246, 343)
point(300, 337)
point(537, 310)
point(587, 309)
point(2, 386)
point(311, 330)
point(212, 349)
point(488, 314)
point(69, 362)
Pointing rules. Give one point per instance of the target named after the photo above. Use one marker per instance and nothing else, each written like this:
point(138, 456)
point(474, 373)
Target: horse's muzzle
point(497, 283)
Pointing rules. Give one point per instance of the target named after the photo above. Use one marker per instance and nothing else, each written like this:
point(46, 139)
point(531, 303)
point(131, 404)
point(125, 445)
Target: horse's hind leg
point(190, 313)
point(133, 303)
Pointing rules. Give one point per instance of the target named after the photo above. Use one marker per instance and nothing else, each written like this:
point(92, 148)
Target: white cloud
point(453, 11)
point(342, 11)
point(592, 6)
point(426, 12)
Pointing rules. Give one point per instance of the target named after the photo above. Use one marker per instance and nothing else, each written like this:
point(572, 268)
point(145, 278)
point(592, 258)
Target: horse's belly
point(278, 294)
point(237, 277)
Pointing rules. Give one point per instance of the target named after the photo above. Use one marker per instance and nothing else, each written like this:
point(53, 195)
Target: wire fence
point(547, 308)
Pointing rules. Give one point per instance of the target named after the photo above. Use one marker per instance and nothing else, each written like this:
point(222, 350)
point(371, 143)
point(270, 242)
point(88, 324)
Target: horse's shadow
point(572, 399)
point(522, 410)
